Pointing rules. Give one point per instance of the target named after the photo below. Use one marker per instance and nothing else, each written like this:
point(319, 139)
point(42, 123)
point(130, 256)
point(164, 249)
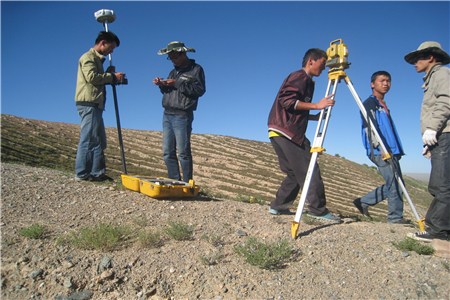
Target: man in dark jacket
point(383, 123)
point(288, 120)
point(181, 90)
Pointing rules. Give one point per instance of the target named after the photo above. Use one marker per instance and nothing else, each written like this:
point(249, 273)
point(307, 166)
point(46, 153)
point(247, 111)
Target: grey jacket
point(435, 112)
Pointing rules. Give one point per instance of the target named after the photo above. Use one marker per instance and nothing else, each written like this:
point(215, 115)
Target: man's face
point(317, 66)
point(382, 84)
point(107, 48)
point(177, 58)
point(422, 64)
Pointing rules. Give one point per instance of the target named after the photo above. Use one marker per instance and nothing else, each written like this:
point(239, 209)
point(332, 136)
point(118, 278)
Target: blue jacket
point(385, 126)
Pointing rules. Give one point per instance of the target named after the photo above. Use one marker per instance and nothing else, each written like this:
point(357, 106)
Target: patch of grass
point(180, 231)
point(409, 244)
point(150, 239)
point(215, 240)
point(446, 265)
point(264, 255)
point(140, 221)
point(34, 231)
point(101, 237)
point(211, 259)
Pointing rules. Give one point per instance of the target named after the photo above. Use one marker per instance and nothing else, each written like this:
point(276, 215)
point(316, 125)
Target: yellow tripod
point(338, 62)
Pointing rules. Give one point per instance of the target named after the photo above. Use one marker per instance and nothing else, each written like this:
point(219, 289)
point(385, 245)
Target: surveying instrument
point(106, 16)
point(337, 61)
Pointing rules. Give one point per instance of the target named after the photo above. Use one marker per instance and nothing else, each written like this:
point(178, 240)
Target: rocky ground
point(350, 260)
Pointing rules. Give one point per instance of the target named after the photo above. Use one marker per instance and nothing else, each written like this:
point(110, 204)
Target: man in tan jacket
point(435, 127)
point(90, 99)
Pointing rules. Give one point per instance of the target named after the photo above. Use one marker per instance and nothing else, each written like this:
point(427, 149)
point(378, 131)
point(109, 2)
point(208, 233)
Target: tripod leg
point(315, 150)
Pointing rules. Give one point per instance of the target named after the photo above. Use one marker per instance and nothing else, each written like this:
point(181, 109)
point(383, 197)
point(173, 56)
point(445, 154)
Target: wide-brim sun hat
point(175, 46)
point(431, 48)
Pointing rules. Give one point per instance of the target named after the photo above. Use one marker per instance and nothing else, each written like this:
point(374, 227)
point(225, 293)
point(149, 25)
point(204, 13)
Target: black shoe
point(401, 222)
point(101, 178)
point(363, 210)
point(85, 178)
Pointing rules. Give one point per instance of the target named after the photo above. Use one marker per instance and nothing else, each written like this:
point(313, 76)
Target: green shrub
point(101, 237)
point(264, 255)
point(150, 239)
point(35, 231)
point(409, 244)
point(180, 231)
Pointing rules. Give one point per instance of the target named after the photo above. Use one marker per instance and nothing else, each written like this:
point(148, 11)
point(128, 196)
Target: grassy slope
point(225, 167)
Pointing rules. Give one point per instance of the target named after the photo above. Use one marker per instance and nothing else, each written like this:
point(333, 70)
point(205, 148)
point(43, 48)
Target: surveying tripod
point(338, 62)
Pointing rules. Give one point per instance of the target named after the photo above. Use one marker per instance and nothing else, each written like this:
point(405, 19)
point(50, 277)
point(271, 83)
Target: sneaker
point(423, 236)
point(401, 222)
point(363, 210)
point(85, 178)
point(101, 178)
point(330, 217)
point(281, 212)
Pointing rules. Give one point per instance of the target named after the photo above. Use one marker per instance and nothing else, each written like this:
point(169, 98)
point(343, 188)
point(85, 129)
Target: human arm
point(440, 114)
point(93, 71)
point(325, 102)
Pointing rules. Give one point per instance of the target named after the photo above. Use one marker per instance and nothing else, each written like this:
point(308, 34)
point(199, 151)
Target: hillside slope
point(225, 167)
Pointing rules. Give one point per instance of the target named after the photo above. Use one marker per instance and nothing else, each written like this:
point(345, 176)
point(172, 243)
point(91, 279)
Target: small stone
point(68, 282)
point(108, 274)
point(35, 274)
point(241, 233)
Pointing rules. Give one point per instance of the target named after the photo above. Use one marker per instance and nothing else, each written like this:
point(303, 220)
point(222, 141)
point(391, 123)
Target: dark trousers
point(438, 214)
point(294, 161)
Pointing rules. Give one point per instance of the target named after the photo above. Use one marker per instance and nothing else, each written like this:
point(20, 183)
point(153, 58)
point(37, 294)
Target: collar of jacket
point(95, 52)
point(189, 67)
point(427, 77)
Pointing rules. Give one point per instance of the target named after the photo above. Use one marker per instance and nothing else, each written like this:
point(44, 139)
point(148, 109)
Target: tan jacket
point(436, 100)
point(91, 80)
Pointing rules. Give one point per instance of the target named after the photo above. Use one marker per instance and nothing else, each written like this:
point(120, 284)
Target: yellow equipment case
point(159, 187)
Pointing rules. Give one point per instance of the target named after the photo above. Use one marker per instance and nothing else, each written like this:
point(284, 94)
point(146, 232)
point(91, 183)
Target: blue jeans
point(438, 215)
point(390, 190)
point(177, 136)
point(90, 157)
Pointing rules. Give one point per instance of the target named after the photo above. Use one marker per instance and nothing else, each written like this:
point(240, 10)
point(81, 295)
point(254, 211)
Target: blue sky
point(247, 49)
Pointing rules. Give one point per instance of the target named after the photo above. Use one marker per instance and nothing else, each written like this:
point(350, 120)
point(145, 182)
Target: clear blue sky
point(246, 49)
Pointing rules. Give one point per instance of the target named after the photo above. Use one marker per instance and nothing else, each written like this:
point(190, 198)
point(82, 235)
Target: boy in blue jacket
point(380, 116)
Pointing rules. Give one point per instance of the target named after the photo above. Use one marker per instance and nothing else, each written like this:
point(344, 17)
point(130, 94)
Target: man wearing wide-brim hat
point(435, 127)
point(181, 90)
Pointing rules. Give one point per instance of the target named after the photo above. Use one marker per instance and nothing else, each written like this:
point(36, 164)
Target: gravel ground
point(350, 260)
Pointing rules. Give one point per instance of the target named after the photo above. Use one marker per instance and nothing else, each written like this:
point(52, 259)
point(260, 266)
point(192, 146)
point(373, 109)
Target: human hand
point(426, 152)
point(325, 102)
point(429, 137)
point(119, 76)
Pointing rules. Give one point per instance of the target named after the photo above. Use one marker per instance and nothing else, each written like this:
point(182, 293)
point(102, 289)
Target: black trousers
point(438, 216)
point(294, 162)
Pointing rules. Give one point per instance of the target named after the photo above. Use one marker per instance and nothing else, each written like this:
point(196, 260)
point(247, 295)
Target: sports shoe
point(101, 178)
point(423, 236)
point(281, 212)
point(363, 210)
point(330, 217)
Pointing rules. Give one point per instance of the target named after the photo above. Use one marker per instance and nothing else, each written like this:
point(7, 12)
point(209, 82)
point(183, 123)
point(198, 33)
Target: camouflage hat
point(175, 46)
point(433, 48)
